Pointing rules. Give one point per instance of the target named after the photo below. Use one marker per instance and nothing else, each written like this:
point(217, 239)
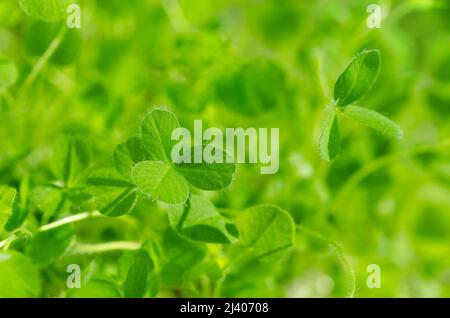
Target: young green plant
point(356, 80)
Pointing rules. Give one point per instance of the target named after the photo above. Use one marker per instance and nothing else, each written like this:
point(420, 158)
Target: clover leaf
point(112, 193)
point(159, 176)
point(266, 230)
point(71, 157)
point(329, 142)
point(199, 220)
point(358, 78)
point(135, 268)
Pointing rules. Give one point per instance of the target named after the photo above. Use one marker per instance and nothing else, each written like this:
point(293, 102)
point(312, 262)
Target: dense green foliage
point(86, 175)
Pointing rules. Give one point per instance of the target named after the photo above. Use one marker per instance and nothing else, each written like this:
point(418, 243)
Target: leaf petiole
point(105, 247)
point(339, 253)
point(70, 219)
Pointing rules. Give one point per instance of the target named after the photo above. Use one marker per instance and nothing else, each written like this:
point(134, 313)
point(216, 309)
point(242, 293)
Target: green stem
point(339, 253)
point(70, 219)
point(44, 59)
point(105, 247)
point(5, 243)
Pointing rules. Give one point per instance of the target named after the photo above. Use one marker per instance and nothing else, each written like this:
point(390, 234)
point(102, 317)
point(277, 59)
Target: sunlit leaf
point(199, 220)
point(374, 120)
point(71, 157)
point(135, 268)
point(128, 154)
point(266, 230)
point(113, 195)
point(160, 181)
point(207, 176)
point(156, 132)
point(18, 276)
point(329, 140)
point(358, 78)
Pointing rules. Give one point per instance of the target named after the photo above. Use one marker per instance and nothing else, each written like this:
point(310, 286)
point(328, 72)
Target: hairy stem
point(105, 247)
point(70, 219)
point(339, 253)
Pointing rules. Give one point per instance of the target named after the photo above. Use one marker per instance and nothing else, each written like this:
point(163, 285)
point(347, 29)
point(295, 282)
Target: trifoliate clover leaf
point(199, 220)
point(374, 120)
point(358, 78)
point(113, 195)
point(162, 177)
point(266, 230)
point(329, 140)
point(19, 277)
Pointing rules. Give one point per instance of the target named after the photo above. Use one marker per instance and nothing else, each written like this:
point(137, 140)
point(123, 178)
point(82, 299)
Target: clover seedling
point(357, 79)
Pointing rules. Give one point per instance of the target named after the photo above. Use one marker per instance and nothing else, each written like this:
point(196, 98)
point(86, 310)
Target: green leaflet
point(160, 181)
point(374, 120)
point(71, 157)
point(128, 154)
point(113, 195)
point(7, 199)
point(266, 230)
point(207, 176)
point(135, 268)
point(129, 257)
point(45, 10)
point(20, 207)
point(19, 278)
point(358, 78)
point(96, 288)
point(329, 140)
point(48, 199)
point(201, 221)
point(45, 247)
point(8, 73)
point(156, 132)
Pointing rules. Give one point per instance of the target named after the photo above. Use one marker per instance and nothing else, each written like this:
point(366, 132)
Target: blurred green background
point(244, 64)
